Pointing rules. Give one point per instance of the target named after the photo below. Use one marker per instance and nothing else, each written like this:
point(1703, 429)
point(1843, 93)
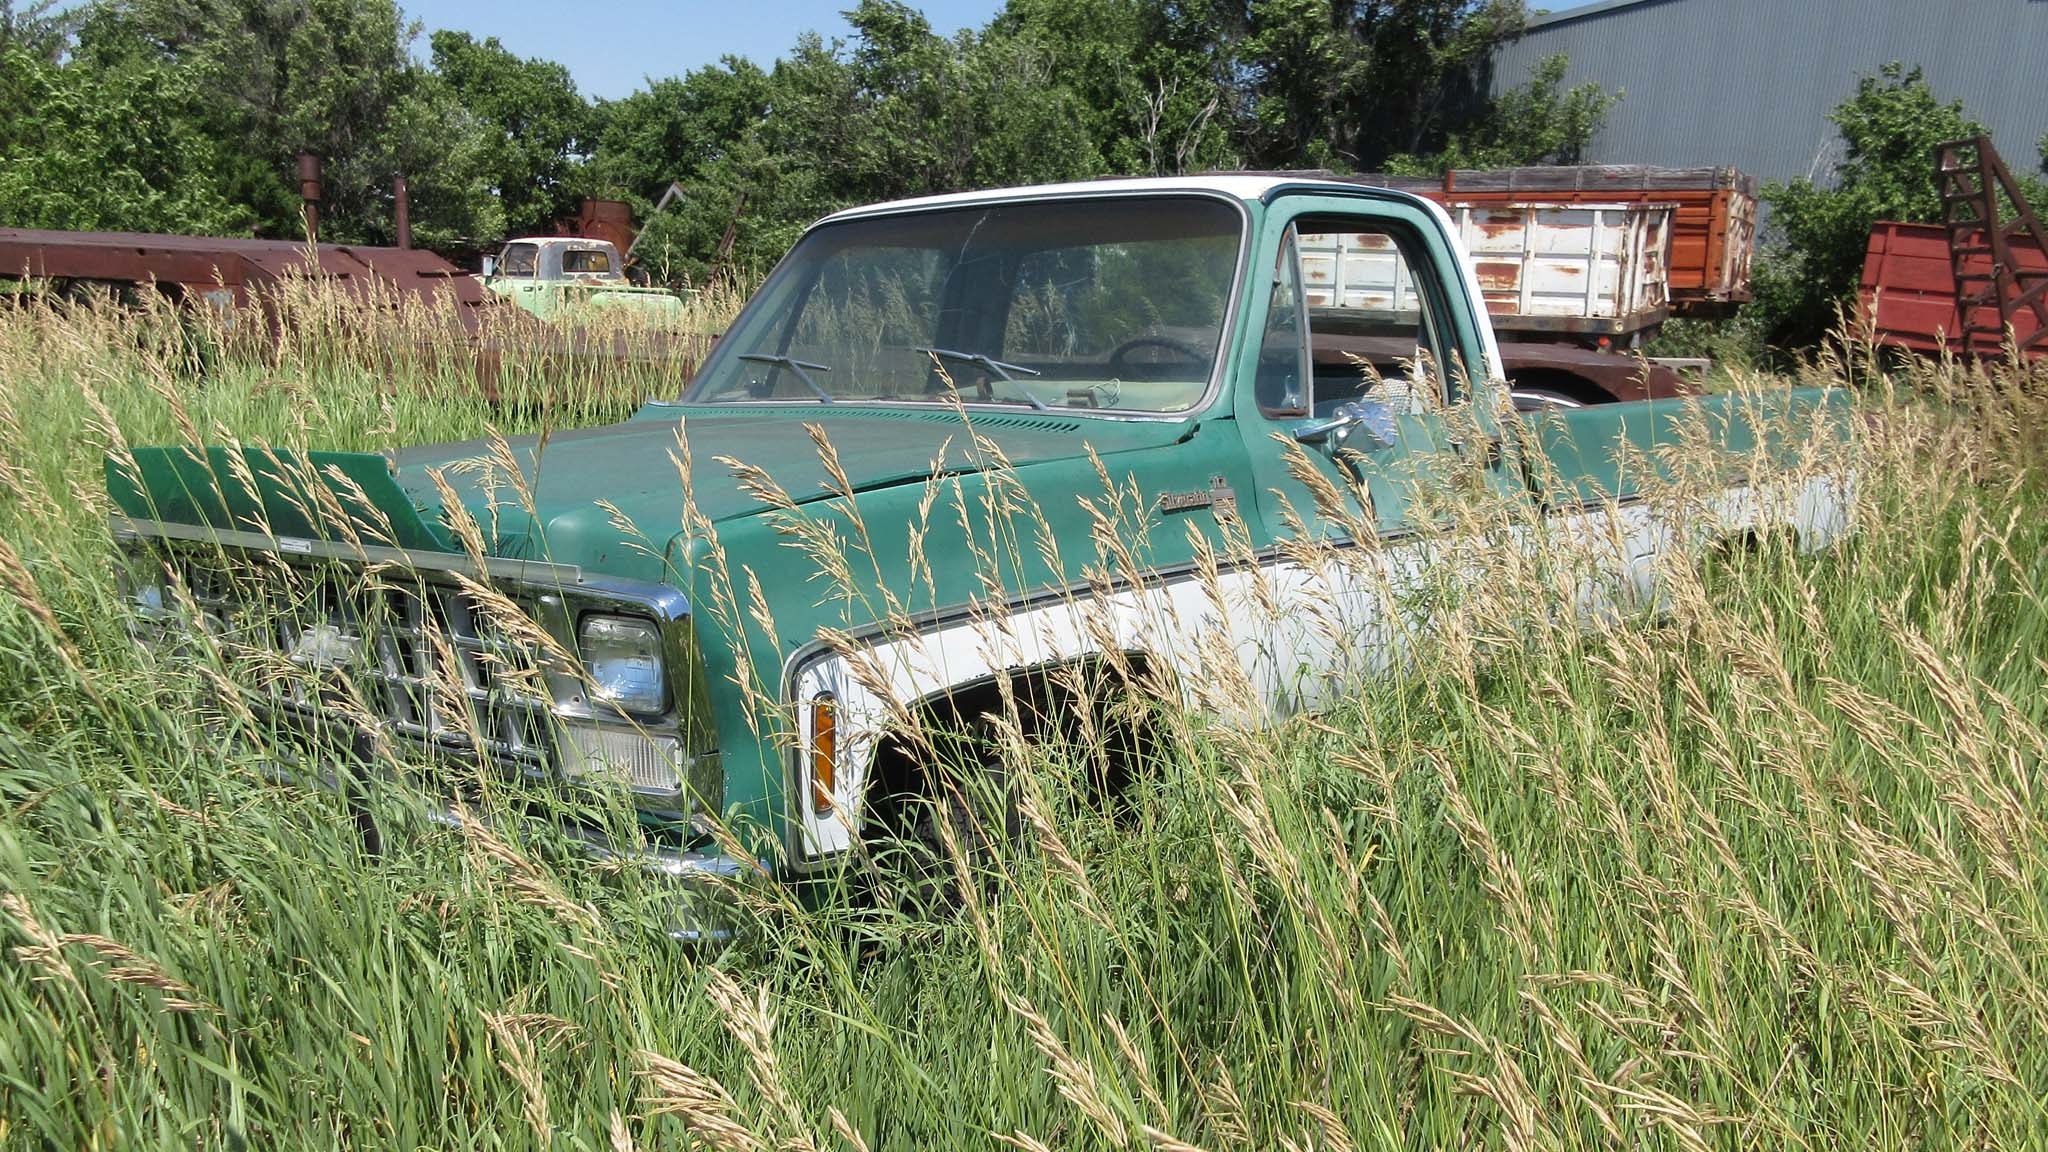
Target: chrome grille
point(426, 660)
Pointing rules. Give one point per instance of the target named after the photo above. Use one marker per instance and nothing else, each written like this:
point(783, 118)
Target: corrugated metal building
point(1750, 82)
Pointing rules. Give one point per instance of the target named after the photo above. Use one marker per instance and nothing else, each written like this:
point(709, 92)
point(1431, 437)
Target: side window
point(1283, 385)
point(1371, 315)
point(520, 260)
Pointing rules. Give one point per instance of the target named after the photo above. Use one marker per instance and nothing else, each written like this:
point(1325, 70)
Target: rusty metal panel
point(601, 220)
point(1908, 292)
point(1356, 270)
point(1597, 262)
point(1713, 220)
point(1563, 267)
point(247, 267)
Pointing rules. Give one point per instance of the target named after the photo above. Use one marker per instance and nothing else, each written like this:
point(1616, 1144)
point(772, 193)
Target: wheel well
point(1563, 383)
point(1047, 699)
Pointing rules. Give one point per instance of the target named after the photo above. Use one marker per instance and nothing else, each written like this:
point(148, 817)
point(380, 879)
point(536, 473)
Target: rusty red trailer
point(1908, 292)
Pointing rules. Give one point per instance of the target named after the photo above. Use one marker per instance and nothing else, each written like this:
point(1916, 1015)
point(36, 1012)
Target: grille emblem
point(326, 648)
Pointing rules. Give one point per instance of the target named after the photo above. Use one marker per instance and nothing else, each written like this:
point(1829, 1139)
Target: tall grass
point(1768, 870)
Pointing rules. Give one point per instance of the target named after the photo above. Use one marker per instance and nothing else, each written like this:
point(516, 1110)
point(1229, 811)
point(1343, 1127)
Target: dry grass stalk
point(518, 1056)
point(671, 1088)
point(1076, 1080)
point(750, 1022)
point(111, 959)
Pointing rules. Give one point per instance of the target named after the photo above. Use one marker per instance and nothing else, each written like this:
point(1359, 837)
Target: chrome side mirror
point(1359, 425)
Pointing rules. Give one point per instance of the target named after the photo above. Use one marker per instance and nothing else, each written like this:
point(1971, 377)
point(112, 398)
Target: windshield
point(518, 260)
point(1070, 304)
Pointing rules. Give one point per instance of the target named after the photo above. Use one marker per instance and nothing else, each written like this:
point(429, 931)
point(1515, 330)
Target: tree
point(1147, 83)
point(1890, 128)
point(105, 149)
point(674, 128)
point(41, 29)
point(1348, 83)
point(275, 78)
point(1540, 122)
point(534, 130)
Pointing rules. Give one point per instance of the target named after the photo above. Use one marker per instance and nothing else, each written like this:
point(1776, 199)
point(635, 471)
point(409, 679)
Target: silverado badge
point(1218, 496)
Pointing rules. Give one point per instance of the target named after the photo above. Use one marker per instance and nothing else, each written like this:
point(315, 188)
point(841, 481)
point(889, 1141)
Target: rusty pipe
point(310, 194)
point(402, 210)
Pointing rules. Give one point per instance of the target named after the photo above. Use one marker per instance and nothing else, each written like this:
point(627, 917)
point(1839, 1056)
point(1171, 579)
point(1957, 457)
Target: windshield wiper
point(797, 366)
point(998, 367)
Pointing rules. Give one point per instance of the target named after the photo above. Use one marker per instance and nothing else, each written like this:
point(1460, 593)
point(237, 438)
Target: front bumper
point(703, 890)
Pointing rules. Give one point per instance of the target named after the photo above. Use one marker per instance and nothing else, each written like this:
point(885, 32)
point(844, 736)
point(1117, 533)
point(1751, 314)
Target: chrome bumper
point(704, 883)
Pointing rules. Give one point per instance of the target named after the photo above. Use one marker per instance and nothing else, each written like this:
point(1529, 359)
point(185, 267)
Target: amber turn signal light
point(824, 750)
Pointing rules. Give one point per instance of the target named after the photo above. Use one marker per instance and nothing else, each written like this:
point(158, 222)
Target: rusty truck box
point(1713, 215)
point(1584, 269)
point(1907, 296)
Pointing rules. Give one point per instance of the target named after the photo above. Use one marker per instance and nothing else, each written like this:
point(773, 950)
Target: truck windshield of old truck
point(519, 260)
point(1076, 304)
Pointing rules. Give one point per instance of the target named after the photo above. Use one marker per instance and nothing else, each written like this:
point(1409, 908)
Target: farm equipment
point(1972, 283)
point(1563, 285)
point(227, 272)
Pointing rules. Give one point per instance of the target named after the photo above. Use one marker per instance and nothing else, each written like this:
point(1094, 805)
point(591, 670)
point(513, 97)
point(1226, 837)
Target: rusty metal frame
point(1971, 177)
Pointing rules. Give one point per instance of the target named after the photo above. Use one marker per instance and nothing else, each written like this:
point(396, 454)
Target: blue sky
point(610, 46)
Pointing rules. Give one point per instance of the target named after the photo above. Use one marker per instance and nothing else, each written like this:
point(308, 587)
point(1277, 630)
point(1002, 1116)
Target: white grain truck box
point(1591, 274)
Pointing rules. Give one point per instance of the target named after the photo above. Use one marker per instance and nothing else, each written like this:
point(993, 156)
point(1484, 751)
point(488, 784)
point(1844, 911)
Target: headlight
point(623, 656)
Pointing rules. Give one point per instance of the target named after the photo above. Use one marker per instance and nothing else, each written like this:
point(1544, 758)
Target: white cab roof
point(1241, 186)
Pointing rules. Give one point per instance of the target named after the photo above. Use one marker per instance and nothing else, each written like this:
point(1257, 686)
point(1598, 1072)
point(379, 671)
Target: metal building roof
point(1751, 82)
point(1545, 19)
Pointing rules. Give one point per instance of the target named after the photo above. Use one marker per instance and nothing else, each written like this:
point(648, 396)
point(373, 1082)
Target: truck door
point(1356, 357)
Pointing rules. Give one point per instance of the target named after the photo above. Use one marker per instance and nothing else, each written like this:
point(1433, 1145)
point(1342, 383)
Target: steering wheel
point(1120, 364)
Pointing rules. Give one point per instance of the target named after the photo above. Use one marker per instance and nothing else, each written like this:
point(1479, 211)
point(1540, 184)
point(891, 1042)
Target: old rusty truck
point(1128, 370)
point(559, 277)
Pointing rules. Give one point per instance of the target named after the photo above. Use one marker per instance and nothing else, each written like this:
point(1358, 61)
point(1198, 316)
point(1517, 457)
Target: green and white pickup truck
point(631, 616)
point(558, 277)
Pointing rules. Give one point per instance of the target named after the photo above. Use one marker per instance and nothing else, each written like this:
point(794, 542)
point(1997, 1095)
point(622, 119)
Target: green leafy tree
point(275, 78)
point(1348, 83)
point(1539, 122)
point(41, 28)
point(671, 130)
point(116, 148)
point(534, 129)
point(1890, 128)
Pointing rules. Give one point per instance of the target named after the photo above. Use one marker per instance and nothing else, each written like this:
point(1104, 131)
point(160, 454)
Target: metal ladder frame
point(1970, 176)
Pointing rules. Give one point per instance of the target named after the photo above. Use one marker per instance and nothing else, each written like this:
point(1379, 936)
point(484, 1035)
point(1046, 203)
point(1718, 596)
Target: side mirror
point(1359, 425)
point(490, 266)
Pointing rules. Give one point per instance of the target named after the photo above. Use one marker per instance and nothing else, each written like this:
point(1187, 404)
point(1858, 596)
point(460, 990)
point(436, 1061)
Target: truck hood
point(638, 464)
point(577, 479)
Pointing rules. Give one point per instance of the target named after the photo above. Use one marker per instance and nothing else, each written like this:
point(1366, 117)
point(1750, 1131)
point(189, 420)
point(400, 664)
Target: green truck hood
point(583, 476)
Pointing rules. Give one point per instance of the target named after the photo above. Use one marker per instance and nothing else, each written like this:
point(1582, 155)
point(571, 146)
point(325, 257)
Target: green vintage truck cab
point(561, 277)
point(1125, 367)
